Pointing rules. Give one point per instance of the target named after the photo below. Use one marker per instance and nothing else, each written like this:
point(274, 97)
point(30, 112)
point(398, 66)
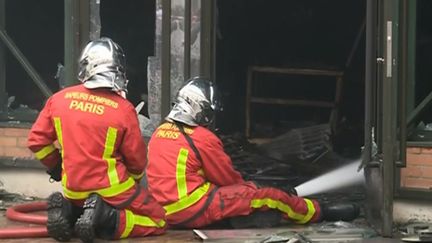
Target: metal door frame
point(384, 122)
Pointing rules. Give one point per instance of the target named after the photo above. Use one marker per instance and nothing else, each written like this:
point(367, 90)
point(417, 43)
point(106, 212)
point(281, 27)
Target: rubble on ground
point(8, 199)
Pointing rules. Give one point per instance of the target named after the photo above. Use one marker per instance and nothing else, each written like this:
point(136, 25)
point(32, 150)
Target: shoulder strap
point(211, 194)
point(189, 140)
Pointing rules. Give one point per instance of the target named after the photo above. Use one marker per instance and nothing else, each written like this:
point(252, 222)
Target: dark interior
point(291, 34)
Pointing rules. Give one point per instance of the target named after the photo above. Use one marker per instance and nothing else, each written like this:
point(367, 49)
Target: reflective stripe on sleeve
point(276, 204)
point(58, 128)
point(44, 152)
point(59, 132)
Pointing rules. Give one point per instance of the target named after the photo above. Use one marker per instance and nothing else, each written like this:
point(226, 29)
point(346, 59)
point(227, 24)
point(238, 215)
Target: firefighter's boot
point(257, 219)
point(98, 219)
point(339, 211)
point(62, 215)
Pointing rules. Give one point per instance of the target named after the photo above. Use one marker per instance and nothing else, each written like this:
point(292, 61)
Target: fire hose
point(24, 213)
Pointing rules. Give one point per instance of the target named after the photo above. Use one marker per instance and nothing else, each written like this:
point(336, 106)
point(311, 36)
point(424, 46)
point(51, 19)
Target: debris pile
point(307, 143)
point(8, 199)
point(254, 165)
point(290, 159)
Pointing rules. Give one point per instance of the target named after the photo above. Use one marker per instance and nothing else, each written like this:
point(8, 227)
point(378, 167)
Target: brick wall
point(418, 173)
point(13, 143)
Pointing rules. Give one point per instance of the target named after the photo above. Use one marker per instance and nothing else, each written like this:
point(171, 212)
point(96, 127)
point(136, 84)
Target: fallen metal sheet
point(312, 233)
point(304, 143)
point(7, 199)
point(417, 232)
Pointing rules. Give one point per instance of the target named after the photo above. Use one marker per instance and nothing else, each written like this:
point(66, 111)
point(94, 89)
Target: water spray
point(344, 176)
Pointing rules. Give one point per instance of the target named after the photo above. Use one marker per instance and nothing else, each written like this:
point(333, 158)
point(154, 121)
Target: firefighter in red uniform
point(100, 154)
point(189, 173)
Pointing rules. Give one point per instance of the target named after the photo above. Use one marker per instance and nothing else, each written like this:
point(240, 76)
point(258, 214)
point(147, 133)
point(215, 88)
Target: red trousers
point(140, 214)
point(243, 199)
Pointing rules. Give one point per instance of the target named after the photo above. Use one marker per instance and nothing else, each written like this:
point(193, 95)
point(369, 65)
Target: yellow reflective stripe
point(45, 151)
point(107, 155)
point(310, 212)
point(58, 128)
point(114, 190)
point(181, 173)
point(136, 176)
point(59, 132)
point(186, 202)
point(276, 204)
point(132, 220)
point(148, 222)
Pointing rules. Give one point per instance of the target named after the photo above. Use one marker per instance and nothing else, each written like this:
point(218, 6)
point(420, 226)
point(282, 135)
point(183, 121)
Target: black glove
point(55, 172)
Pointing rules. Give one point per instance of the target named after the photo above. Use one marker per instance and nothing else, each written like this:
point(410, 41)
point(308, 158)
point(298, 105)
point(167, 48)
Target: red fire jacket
point(176, 177)
point(99, 139)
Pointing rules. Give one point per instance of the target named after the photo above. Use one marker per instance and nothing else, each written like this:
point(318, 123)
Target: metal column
point(3, 94)
point(381, 111)
point(166, 59)
point(370, 78)
point(389, 78)
point(403, 87)
point(77, 28)
point(411, 49)
point(187, 39)
point(208, 30)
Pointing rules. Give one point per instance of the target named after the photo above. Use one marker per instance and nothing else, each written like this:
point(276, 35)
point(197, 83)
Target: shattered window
point(39, 37)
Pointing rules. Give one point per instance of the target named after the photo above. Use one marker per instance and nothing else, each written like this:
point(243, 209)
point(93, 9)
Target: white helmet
point(196, 103)
point(102, 65)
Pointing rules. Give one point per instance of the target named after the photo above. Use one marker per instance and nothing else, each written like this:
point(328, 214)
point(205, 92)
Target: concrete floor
point(34, 183)
point(177, 236)
point(171, 236)
point(29, 182)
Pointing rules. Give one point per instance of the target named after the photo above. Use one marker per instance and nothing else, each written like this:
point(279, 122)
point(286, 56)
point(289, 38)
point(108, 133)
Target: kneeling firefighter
point(102, 155)
point(189, 173)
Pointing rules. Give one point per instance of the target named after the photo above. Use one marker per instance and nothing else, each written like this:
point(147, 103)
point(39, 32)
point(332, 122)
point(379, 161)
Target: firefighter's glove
point(55, 172)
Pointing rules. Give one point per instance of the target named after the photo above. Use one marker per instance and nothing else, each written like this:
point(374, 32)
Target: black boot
point(98, 219)
point(258, 219)
point(62, 215)
point(339, 211)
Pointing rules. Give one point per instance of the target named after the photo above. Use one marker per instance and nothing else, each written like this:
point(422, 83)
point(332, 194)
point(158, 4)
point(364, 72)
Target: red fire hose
point(23, 213)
